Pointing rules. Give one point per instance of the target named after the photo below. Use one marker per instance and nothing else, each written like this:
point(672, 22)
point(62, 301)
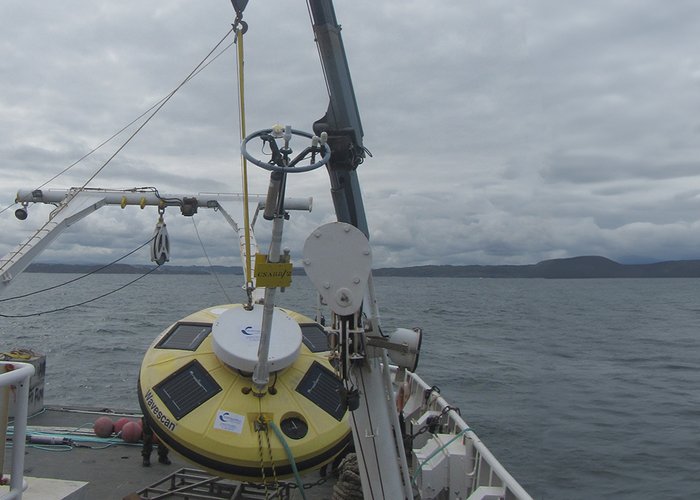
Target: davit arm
point(75, 204)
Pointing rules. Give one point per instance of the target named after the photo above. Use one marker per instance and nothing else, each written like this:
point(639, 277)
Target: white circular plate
point(236, 336)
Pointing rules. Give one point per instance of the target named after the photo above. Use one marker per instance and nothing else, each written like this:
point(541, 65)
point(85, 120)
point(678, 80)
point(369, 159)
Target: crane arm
point(342, 119)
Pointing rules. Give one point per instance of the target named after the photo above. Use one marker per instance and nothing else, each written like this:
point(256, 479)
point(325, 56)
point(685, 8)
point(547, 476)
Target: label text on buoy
point(229, 421)
point(159, 415)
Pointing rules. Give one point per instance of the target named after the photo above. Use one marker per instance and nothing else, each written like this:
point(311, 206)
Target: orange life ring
point(402, 396)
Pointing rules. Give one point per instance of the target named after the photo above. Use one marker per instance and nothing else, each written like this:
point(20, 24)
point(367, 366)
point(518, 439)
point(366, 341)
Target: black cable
point(78, 278)
point(80, 303)
point(198, 69)
point(122, 129)
point(155, 111)
point(154, 190)
point(7, 208)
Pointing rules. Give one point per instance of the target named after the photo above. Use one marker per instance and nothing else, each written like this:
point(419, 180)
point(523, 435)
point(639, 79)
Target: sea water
point(582, 388)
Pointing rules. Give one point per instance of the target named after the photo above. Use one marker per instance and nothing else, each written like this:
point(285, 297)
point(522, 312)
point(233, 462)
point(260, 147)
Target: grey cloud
point(592, 168)
point(502, 132)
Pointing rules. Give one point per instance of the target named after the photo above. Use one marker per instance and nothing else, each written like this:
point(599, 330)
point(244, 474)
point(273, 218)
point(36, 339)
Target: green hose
point(290, 457)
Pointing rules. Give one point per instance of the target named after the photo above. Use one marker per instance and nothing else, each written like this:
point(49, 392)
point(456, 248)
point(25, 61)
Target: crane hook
point(239, 6)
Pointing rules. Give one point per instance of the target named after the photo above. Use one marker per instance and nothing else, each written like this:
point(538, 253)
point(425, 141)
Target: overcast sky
point(503, 132)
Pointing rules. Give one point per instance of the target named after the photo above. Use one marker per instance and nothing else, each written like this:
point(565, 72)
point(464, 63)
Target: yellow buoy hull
point(206, 411)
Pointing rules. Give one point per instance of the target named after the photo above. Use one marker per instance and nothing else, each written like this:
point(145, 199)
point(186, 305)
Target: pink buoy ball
point(103, 427)
point(131, 432)
point(119, 424)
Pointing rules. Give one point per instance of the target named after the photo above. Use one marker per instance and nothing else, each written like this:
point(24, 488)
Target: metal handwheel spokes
point(281, 160)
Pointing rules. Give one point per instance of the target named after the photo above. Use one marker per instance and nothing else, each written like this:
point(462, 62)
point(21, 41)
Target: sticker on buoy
point(227, 421)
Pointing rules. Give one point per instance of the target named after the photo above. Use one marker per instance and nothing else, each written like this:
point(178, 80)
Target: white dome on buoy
point(236, 336)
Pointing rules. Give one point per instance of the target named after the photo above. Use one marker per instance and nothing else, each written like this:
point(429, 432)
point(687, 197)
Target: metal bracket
point(381, 342)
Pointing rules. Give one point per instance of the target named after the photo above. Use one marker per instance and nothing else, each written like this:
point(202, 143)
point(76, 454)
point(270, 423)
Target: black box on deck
point(36, 382)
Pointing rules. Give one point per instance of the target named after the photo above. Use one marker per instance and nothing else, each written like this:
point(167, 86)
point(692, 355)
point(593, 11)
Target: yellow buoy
point(195, 390)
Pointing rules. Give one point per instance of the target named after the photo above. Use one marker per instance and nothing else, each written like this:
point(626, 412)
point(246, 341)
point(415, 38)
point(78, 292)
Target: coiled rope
point(349, 484)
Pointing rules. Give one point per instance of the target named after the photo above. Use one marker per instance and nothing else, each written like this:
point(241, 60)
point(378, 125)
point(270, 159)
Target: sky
point(502, 132)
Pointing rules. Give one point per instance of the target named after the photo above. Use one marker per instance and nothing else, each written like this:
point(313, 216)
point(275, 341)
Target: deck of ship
point(110, 468)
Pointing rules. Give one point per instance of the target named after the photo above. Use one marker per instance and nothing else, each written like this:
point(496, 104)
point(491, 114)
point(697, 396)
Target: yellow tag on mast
point(272, 274)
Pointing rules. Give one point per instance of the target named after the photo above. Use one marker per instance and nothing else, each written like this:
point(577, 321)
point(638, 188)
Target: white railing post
point(19, 377)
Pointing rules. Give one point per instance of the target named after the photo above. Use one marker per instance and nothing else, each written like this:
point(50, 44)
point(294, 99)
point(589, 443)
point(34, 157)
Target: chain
point(272, 462)
point(258, 427)
point(429, 392)
point(262, 427)
point(308, 486)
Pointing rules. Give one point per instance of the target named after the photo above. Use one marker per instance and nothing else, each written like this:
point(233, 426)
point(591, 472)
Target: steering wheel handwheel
point(267, 136)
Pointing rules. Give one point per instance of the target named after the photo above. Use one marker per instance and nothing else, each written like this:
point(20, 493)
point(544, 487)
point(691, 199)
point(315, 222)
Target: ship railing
point(17, 375)
point(437, 430)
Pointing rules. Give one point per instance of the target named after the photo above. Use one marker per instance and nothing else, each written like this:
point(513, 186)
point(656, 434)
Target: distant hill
point(571, 268)
point(575, 267)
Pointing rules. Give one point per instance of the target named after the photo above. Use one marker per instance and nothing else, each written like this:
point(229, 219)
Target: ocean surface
point(583, 389)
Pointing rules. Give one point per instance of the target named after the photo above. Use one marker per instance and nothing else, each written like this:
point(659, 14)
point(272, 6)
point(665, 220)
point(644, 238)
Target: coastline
point(570, 268)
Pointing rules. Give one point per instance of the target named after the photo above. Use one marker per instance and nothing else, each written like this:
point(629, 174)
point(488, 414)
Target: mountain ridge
point(567, 268)
point(587, 266)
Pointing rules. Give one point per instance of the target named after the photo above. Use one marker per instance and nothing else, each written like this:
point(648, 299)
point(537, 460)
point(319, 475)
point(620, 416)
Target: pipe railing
point(18, 376)
point(489, 472)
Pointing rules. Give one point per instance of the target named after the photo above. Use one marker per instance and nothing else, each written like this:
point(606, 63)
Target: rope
point(155, 111)
point(78, 278)
point(70, 440)
point(80, 303)
point(349, 484)
point(211, 267)
point(16, 354)
point(278, 486)
point(244, 166)
point(262, 426)
point(8, 207)
point(116, 134)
